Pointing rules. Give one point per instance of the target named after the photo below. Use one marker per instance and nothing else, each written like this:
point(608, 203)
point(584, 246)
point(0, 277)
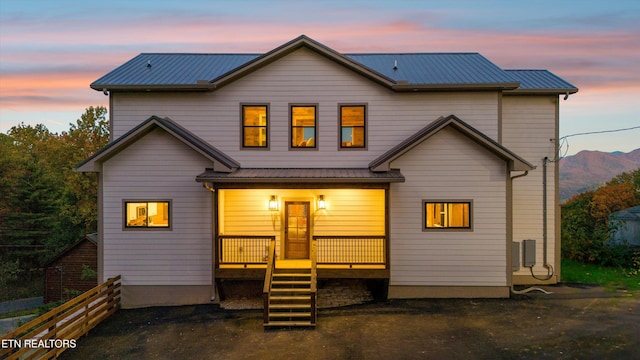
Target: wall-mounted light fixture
point(321, 203)
point(273, 203)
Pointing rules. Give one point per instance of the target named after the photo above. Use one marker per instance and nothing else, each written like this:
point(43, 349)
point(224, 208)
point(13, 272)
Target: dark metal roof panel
point(316, 175)
point(187, 69)
point(173, 69)
point(435, 68)
point(418, 69)
point(540, 80)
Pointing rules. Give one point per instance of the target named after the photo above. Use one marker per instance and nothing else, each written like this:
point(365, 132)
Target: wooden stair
point(291, 298)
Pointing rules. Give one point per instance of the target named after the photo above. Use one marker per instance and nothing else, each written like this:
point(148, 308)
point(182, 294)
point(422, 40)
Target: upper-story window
point(255, 126)
point(303, 126)
point(353, 126)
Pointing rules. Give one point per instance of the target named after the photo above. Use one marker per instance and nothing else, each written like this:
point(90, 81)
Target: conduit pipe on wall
point(520, 292)
point(545, 225)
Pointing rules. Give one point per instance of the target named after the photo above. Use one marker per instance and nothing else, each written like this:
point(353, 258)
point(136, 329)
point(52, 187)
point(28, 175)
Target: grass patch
point(611, 278)
point(12, 314)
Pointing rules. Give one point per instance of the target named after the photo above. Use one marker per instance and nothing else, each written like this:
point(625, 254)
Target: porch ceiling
point(307, 175)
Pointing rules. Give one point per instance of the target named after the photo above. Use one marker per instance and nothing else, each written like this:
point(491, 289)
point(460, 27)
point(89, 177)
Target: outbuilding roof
point(630, 214)
point(398, 71)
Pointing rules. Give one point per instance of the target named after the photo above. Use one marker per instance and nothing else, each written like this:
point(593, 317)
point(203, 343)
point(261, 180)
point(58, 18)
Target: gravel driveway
point(571, 323)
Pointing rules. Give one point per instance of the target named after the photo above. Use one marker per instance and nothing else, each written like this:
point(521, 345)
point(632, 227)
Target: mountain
point(587, 170)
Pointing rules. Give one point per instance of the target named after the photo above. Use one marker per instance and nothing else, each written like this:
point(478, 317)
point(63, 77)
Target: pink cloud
point(598, 60)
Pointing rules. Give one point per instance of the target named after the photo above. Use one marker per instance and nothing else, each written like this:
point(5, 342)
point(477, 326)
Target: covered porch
point(336, 217)
point(344, 231)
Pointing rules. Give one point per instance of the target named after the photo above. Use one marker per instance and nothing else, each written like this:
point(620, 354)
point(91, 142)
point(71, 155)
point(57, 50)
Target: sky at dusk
point(50, 51)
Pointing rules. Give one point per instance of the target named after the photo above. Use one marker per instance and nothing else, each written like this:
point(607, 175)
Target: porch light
point(321, 204)
point(273, 203)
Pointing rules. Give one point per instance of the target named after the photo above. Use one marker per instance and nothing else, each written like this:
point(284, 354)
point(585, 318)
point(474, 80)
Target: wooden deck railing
point(243, 249)
point(50, 334)
point(314, 281)
point(350, 250)
point(335, 249)
point(271, 264)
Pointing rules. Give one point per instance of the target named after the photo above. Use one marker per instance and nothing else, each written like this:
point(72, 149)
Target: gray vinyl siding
point(529, 125)
point(449, 166)
point(158, 167)
point(305, 77)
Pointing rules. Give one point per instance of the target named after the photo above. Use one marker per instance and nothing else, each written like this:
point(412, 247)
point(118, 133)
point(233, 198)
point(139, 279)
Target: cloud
point(48, 59)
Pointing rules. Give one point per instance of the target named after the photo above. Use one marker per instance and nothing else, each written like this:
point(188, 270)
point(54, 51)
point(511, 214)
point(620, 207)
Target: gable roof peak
point(221, 161)
point(383, 162)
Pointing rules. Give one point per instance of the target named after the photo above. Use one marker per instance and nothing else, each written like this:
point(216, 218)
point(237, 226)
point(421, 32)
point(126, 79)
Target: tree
point(611, 198)
point(585, 221)
point(43, 201)
point(89, 134)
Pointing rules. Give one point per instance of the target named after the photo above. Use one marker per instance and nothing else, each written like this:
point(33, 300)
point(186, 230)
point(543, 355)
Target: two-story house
point(424, 171)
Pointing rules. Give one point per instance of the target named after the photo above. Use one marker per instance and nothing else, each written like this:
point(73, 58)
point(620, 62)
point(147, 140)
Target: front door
point(296, 229)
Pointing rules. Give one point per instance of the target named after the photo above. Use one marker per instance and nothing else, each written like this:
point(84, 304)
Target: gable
point(86, 245)
point(221, 161)
point(383, 162)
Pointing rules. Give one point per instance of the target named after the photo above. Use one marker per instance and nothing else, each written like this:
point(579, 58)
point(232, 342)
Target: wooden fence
point(48, 335)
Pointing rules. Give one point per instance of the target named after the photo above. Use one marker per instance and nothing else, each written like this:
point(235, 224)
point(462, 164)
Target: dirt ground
point(572, 323)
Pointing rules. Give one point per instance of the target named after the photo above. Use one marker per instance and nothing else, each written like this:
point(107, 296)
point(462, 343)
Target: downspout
point(544, 171)
point(526, 172)
point(213, 243)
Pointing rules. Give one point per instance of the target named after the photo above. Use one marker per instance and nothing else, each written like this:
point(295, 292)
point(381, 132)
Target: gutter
point(403, 87)
point(201, 85)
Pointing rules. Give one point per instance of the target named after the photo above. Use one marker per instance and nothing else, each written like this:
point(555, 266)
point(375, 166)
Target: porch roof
point(304, 175)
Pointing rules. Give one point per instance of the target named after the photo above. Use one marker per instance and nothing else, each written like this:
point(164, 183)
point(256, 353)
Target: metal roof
point(399, 71)
point(540, 80)
point(173, 69)
point(632, 213)
point(153, 69)
point(301, 175)
point(435, 68)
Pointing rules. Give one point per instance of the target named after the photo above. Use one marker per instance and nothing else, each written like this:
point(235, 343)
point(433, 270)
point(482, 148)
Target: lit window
point(254, 126)
point(447, 215)
point(352, 126)
point(303, 126)
point(147, 214)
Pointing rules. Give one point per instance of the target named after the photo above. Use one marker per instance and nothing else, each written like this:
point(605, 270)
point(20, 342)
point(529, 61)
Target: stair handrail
point(314, 276)
point(271, 264)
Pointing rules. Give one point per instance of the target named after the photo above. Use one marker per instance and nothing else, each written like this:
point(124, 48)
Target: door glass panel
point(297, 241)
